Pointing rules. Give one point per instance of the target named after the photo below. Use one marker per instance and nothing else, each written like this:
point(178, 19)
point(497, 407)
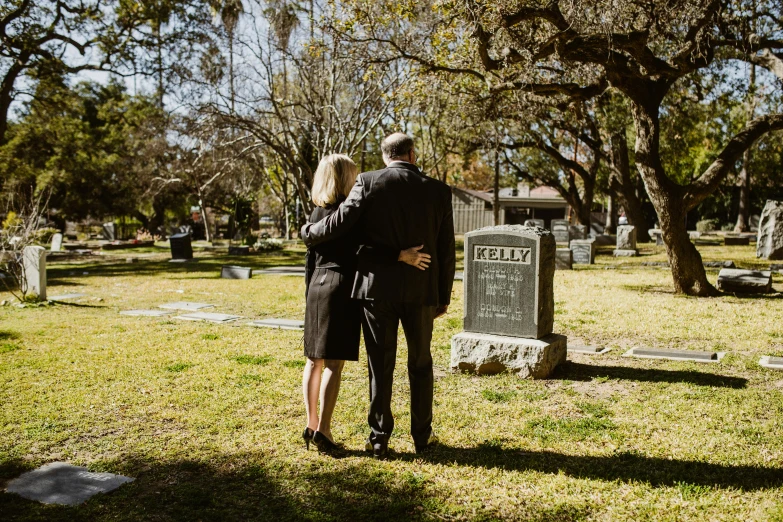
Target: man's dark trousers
point(380, 324)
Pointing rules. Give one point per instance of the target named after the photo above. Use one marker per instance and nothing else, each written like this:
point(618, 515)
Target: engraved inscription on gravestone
point(561, 230)
point(504, 293)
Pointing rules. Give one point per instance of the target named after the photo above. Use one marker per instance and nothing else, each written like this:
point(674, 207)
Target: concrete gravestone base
point(487, 354)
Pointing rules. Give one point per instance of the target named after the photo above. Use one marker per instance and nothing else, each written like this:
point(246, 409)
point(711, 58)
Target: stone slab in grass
point(459, 276)
point(185, 305)
point(146, 313)
point(236, 272)
point(63, 483)
point(745, 281)
point(206, 316)
point(66, 297)
point(774, 363)
point(283, 324)
point(675, 355)
point(283, 270)
point(736, 240)
point(596, 350)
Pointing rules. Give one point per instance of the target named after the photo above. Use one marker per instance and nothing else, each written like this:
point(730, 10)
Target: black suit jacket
point(396, 208)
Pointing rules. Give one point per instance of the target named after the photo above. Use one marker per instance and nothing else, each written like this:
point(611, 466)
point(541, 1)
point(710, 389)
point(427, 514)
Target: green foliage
point(498, 395)
point(9, 347)
point(179, 367)
point(707, 225)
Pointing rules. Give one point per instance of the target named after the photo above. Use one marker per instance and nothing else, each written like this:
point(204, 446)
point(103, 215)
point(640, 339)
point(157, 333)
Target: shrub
point(707, 225)
point(44, 235)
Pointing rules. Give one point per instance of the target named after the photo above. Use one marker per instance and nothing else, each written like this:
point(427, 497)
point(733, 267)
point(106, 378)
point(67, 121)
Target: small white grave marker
point(773, 363)
point(212, 318)
point(67, 297)
point(184, 305)
point(283, 324)
point(146, 313)
point(34, 259)
point(63, 483)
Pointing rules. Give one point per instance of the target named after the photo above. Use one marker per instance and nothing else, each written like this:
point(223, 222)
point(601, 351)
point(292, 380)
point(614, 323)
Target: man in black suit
point(398, 207)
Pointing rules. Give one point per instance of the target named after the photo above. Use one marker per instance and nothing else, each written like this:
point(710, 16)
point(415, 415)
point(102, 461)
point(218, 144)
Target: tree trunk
point(622, 183)
point(687, 269)
point(496, 191)
point(743, 214)
point(611, 219)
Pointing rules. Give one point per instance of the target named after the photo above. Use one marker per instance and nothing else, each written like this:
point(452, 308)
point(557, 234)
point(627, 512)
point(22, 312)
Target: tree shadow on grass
point(587, 372)
point(8, 335)
point(627, 467)
point(239, 487)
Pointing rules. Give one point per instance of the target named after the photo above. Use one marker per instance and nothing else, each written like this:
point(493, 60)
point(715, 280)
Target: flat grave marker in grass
point(588, 349)
point(676, 355)
point(283, 270)
point(185, 305)
point(236, 272)
point(209, 317)
point(283, 324)
point(774, 363)
point(146, 313)
point(66, 297)
point(63, 483)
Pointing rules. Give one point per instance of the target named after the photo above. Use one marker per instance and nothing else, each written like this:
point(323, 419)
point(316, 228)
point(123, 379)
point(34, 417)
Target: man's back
point(398, 208)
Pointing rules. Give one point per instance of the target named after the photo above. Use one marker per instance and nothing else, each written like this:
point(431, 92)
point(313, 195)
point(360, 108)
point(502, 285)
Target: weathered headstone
point(57, 242)
point(745, 281)
point(509, 303)
point(110, 231)
point(769, 242)
point(657, 234)
point(34, 264)
point(63, 483)
point(577, 232)
point(583, 251)
point(534, 223)
point(626, 241)
point(564, 259)
point(560, 229)
point(180, 246)
point(239, 250)
point(236, 272)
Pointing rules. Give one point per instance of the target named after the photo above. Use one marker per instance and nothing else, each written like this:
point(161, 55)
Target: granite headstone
point(181, 246)
point(564, 259)
point(560, 230)
point(626, 241)
point(583, 251)
point(110, 231)
point(769, 242)
point(509, 303)
point(577, 232)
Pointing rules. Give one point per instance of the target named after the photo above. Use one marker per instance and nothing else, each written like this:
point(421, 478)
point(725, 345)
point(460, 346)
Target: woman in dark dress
point(332, 318)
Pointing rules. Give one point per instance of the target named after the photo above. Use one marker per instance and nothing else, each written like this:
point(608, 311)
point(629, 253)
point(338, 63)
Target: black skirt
point(332, 318)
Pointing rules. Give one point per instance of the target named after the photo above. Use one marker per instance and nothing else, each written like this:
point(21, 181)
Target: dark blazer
point(396, 208)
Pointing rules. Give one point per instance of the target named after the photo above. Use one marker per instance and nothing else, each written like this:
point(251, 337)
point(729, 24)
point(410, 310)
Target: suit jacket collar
point(404, 165)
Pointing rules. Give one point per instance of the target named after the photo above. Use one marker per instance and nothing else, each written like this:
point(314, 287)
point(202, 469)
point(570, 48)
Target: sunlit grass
point(208, 418)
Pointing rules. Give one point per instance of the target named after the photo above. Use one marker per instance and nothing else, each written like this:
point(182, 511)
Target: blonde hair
point(334, 177)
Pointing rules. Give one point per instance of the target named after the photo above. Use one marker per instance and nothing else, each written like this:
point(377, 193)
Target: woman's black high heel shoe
point(325, 445)
point(307, 435)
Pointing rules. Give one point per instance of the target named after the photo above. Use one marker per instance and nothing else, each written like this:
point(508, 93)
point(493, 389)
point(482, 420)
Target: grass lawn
point(207, 418)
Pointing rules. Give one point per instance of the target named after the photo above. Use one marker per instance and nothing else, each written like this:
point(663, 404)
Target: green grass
point(208, 418)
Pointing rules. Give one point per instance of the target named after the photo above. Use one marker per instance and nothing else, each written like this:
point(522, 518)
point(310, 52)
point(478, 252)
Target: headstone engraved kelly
point(584, 251)
point(561, 230)
point(626, 241)
point(509, 303)
point(34, 264)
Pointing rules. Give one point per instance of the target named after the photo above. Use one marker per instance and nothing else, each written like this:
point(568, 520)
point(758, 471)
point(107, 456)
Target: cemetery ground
point(207, 417)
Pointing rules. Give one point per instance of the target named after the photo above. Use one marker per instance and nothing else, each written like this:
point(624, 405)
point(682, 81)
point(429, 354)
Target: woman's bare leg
point(311, 384)
point(330, 389)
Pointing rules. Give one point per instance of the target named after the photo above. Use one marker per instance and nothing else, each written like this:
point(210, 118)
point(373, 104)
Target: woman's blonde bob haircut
point(334, 178)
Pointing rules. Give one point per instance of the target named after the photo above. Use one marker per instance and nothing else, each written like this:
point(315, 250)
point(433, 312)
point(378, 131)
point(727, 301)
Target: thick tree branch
point(702, 187)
